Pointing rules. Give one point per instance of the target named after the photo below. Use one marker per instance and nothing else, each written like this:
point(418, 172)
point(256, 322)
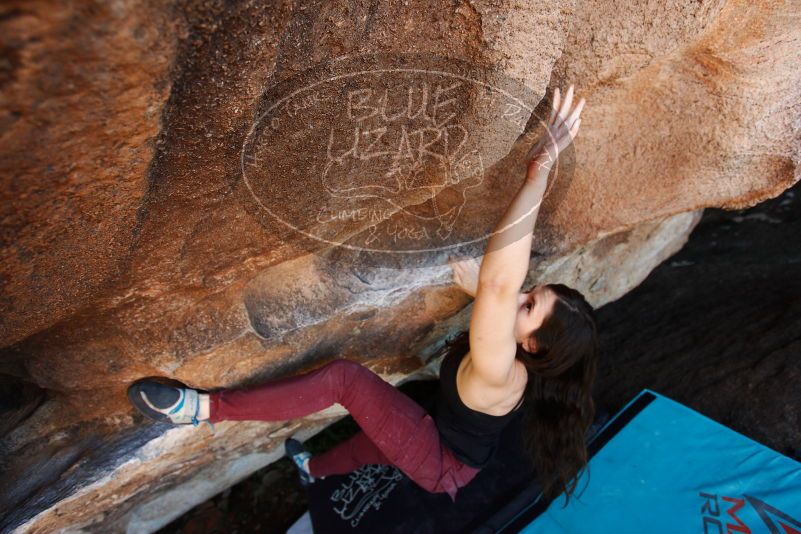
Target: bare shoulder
point(477, 395)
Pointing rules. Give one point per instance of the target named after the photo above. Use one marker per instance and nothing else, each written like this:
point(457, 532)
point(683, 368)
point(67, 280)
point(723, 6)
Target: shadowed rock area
point(718, 326)
point(139, 143)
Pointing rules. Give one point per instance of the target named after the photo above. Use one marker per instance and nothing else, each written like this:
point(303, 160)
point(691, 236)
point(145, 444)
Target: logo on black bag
point(366, 489)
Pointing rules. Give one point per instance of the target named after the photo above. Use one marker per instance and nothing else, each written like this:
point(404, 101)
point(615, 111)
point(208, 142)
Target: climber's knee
point(350, 378)
point(343, 370)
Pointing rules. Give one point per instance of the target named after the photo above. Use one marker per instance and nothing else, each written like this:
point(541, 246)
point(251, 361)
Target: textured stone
point(716, 327)
point(194, 464)
point(128, 252)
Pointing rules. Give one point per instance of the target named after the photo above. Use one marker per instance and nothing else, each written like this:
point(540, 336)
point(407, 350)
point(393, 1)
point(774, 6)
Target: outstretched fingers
point(565, 109)
point(563, 125)
point(576, 112)
point(574, 129)
point(555, 106)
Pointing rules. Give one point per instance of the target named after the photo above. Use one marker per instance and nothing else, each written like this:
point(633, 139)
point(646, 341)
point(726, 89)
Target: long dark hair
point(558, 396)
point(560, 407)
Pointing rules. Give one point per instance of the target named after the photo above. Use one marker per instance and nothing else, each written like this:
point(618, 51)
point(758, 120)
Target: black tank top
point(471, 435)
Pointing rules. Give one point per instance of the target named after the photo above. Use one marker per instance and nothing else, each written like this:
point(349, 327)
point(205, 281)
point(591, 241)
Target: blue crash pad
point(659, 466)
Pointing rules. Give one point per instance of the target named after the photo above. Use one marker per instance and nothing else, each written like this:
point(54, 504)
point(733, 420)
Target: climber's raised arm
point(493, 344)
point(506, 259)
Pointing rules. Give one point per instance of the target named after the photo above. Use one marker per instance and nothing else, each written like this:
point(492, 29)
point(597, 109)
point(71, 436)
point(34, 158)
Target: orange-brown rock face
point(220, 194)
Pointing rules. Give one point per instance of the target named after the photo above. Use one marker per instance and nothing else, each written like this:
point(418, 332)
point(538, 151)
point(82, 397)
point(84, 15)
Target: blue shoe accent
point(154, 400)
point(298, 453)
point(180, 404)
point(195, 422)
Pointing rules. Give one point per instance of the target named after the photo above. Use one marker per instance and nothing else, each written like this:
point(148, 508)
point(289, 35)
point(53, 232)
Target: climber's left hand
point(562, 128)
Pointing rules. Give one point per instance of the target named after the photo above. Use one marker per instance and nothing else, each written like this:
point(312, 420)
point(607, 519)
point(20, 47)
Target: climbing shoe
point(300, 456)
point(160, 402)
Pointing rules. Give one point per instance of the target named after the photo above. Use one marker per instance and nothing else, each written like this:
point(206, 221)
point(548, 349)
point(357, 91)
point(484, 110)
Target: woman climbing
point(532, 352)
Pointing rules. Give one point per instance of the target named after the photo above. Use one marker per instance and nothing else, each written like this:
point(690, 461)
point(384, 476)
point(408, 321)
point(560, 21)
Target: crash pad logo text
point(723, 514)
